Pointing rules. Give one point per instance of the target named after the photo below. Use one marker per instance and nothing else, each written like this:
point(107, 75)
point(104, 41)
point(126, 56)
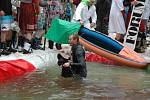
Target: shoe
point(35, 43)
point(39, 48)
point(5, 52)
point(12, 50)
point(139, 50)
point(27, 47)
point(25, 51)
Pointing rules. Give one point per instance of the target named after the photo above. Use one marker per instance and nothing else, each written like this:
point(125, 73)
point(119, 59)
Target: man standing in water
point(76, 67)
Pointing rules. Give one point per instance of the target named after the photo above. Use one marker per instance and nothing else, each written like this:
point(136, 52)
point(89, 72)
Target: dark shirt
point(78, 65)
point(6, 6)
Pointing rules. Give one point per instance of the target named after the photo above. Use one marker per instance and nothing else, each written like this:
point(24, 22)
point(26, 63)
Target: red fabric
point(37, 7)
point(91, 57)
point(141, 24)
point(76, 2)
point(27, 17)
point(35, 1)
point(12, 68)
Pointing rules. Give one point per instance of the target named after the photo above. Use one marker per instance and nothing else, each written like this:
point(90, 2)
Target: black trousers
point(51, 44)
point(66, 72)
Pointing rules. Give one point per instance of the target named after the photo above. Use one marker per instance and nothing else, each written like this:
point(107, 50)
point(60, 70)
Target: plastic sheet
point(18, 64)
point(13, 68)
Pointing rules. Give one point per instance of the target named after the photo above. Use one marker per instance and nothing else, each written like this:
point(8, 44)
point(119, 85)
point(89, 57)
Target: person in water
point(75, 66)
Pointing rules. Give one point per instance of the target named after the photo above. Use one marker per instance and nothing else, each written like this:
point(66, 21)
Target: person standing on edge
point(116, 27)
point(102, 10)
point(140, 42)
point(5, 32)
point(86, 14)
point(77, 66)
point(145, 18)
point(54, 10)
point(29, 11)
point(68, 11)
point(146, 14)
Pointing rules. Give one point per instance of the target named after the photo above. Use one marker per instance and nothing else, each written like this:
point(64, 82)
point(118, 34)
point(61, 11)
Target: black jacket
point(78, 64)
point(6, 6)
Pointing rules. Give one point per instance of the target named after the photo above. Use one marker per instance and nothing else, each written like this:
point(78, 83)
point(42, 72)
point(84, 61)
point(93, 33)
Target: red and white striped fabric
point(13, 68)
point(18, 64)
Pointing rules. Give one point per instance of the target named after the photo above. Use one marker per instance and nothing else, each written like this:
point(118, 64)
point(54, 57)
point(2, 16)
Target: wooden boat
point(105, 46)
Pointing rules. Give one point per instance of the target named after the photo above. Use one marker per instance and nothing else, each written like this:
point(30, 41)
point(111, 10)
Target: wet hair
point(76, 36)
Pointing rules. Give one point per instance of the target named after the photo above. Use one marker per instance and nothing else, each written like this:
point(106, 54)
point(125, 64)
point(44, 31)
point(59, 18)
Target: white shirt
point(83, 13)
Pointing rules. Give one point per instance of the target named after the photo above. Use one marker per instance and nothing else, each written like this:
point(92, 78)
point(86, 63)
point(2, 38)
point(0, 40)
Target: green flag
point(60, 30)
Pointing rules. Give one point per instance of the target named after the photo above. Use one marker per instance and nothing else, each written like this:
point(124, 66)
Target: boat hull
point(111, 49)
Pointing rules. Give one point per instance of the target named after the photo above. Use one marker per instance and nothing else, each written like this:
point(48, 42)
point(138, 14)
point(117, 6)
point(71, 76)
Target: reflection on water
point(104, 82)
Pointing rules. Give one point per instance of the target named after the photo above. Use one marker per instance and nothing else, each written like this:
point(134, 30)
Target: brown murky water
point(104, 82)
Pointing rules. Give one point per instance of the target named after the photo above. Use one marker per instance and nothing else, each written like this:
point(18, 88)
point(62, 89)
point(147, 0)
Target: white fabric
point(116, 20)
point(42, 59)
point(15, 26)
point(27, 46)
point(39, 58)
point(83, 13)
point(146, 13)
